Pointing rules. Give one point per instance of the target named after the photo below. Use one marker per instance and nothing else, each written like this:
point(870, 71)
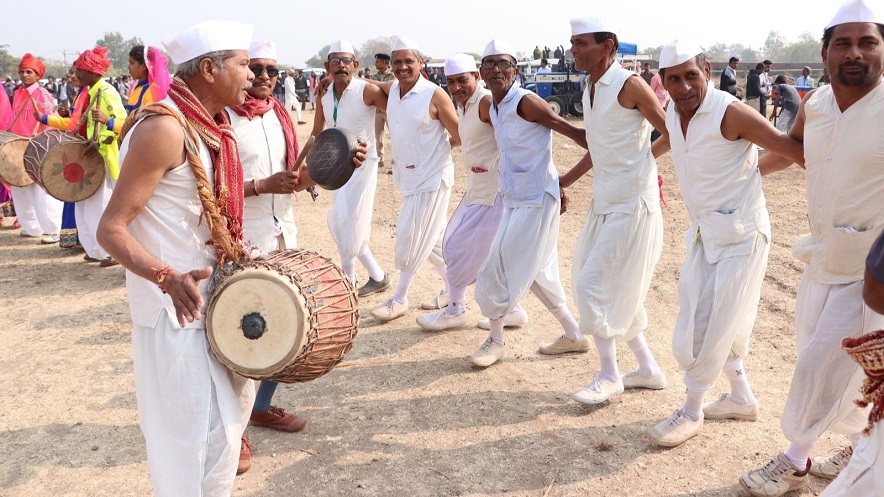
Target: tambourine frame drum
point(12, 168)
point(56, 161)
point(330, 159)
point(290, 317)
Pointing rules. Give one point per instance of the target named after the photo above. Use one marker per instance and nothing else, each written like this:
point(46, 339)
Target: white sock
point(647, 366)
point(693, 404)
point(566, 319)
point(607, 349)
point(797, 454)
point(442, 271)
point(366, 258)
point(405, 280)
point(741, 392)
point(496, 332)
point(454, 309)
point(457, 295)
point(348, 266)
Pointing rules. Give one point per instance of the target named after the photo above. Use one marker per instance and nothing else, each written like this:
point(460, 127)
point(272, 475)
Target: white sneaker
point(598, 391)
point(49, 239)
point(774, 478)
point(830, 467)
point(634, 379)
point(563, 345)
point(726, 408)
point(516, 318)
point(676, 430)
point(489, 353)
point(439, 301)
point(389, 310)
point(440, 320)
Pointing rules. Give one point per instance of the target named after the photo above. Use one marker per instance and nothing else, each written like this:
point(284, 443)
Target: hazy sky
point(301, 28)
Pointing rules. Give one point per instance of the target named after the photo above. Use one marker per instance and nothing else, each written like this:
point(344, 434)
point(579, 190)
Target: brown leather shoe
point(245, 456)
point(277, 419)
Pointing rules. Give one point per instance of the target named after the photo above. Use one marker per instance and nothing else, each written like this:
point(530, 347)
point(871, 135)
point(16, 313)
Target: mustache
point(341, 71)
point(247, 86)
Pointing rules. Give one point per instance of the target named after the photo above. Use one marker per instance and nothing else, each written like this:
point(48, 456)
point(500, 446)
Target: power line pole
point(65, 54)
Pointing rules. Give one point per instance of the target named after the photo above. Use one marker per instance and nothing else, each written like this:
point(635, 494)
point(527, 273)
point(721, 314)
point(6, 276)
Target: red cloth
point(95, 61)
point(32, 63)
point(253, 107)
point(221, 141)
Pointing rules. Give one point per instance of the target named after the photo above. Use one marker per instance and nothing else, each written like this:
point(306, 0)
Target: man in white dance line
point(474, 223)
point(523, 255)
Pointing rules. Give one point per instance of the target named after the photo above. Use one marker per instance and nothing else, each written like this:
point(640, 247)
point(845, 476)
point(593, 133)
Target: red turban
point(32, 63)
point(94, 61)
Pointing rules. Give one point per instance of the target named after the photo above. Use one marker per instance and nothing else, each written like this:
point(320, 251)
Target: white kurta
point(844, 154)
point(865, 473)
point(523, 255)
point(88, 213)
point(191, 409)
point(728, 241)
point(349, 219)
point(623, 231)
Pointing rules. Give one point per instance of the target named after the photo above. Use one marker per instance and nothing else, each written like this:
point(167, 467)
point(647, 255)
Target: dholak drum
point(288, 318)
point(12, 153)
point(56, 161)
point(330, 159)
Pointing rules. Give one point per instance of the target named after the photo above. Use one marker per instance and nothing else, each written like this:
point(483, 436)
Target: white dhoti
point(37, 211)
point(89, 212)
point(419, 229)
point(625, 245)
point(192, 411)
point(522, 257)
point(827, 381)
point(865, 473)
point(718, 303)
point(349, 219)
point(467, 239)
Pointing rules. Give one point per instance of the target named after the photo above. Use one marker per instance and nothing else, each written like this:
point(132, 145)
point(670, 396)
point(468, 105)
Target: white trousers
point(349, 219)
point(467, 239)
point(625, 245)
point(37, 211)
point(522, 257)
point(192, 411)
point(865, 473)
point(419, 229)
point(826, 381)
point(717, 308)
point(89, 212)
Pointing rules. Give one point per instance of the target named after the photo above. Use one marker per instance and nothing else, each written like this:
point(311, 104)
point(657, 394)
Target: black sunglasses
point(259, 70)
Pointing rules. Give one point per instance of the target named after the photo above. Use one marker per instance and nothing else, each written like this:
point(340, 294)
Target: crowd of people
point(226, 174)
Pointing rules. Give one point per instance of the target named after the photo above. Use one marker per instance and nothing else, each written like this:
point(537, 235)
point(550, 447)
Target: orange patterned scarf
point(868, 352)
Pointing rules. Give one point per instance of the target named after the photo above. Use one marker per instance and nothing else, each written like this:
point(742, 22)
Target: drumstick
point(301, 159)
point(97, 123)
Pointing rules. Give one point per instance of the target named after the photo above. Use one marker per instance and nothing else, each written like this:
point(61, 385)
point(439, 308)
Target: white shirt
point(804, 81)
point(543, 70)
point(480, 154)
point(350, 113)
point(764, 83)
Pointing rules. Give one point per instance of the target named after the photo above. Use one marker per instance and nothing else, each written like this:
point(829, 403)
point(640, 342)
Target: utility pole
point(65, 54)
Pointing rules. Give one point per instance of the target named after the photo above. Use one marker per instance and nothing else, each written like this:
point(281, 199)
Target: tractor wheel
point(577, 108)
point(556, 104)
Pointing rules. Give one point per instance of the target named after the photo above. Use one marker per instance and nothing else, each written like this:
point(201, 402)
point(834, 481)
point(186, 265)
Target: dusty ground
point(406, 414)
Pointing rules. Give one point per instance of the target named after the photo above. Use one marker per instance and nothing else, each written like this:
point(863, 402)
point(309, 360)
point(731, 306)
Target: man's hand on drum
point(186, 298)
point(279, 183)
point(62, 110)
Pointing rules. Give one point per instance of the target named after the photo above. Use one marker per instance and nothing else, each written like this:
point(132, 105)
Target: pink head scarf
point(157, 72)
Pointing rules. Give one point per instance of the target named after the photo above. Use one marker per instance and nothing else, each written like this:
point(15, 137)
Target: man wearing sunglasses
point(350, 104)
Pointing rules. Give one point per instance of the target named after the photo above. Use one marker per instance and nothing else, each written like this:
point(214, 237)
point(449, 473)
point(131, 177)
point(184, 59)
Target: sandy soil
point(405, 414)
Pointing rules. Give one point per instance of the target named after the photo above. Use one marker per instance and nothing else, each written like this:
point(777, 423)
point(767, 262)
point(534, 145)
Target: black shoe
point(374, 286)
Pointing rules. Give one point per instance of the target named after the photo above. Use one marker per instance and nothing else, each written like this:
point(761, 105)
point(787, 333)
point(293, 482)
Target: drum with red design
point(56, 160)
point(12, 166)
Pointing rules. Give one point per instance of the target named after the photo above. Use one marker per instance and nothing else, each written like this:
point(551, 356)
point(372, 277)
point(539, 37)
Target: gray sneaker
point(374, 286)
point(830, 467)
point(775, 478)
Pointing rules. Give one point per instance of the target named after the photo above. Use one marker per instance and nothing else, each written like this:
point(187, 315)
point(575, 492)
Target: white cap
point(209, 36)
point(460, 63)
point(405, 44)
point(497, 47)
point(341, 46)
point(593, 24)
point(262, 49)
point(678, 52)
point(856, 11)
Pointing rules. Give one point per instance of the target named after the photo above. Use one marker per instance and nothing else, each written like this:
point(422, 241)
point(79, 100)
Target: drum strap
point(23, 107)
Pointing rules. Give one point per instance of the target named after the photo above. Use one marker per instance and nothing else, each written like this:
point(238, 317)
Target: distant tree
point(381, 44)
point(118, 49)
point(8, 63)
point(773, 46)
point(807, 49)
point(654, 52)
point(319, 59)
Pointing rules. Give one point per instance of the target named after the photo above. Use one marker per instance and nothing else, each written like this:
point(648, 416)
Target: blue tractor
point(563, 91)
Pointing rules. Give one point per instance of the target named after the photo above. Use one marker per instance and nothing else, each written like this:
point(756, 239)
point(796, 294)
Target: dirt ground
point(405, 414)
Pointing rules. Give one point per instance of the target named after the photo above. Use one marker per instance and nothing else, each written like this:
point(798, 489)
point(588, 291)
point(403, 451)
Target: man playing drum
point(37, 212)
point(104, 106)
point(350, 104)
point(472, 226)
point(181, 164)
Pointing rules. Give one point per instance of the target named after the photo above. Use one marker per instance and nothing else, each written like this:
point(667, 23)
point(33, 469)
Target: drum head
point(70, 176)
point(330, 160)
point(256, 321)
point(12, 166)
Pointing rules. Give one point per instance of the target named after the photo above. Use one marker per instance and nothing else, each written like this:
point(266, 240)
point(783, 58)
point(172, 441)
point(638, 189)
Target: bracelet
point(44, 119)
point(160, 276)
point(255, 186)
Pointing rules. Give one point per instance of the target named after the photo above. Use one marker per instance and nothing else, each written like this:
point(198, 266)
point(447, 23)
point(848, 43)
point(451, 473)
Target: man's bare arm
point(442, 109)
point(532, 108)
point(374, 95)
point(636, 94)
point(582, 167)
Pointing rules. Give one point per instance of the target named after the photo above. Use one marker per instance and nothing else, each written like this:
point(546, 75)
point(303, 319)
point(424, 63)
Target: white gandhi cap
point(341, 46)
point(497, 47)
point(857, 11)
point(262, 49)
point(206, 37)
point(405, 44)
point(460, 63)
point(593, 24)
point(678, 52)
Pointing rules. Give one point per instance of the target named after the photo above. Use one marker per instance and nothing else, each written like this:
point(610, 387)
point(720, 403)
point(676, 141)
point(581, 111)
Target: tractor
point(563, 91)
